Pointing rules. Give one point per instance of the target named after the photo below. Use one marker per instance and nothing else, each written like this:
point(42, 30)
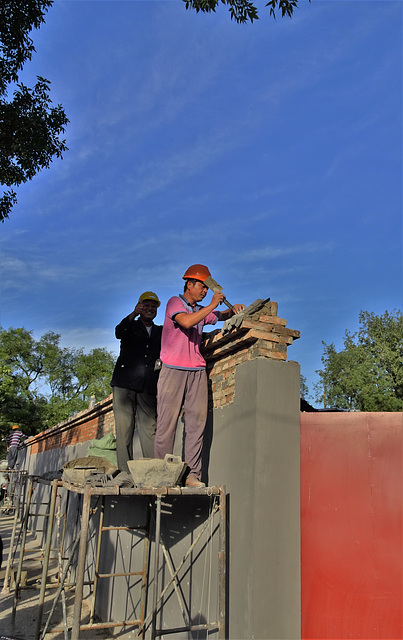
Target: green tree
point(74, 378)
point(367, 374)
point(304, 390)
point(243, 10)
point(42, 383)
point(30, 127)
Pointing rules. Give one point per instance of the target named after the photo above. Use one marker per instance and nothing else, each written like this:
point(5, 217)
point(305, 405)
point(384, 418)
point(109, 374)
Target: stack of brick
point(260, 335)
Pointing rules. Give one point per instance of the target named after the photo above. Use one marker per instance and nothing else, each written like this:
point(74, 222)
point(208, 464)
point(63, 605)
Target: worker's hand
point(238, 308)
point(136, 311)
point(217, 299)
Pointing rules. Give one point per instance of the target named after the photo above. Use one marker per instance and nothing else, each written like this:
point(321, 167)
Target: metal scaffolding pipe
point(75, 632)
point(156, 564)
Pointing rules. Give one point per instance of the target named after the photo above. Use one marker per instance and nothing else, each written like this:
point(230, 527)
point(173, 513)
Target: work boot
point(192, 481)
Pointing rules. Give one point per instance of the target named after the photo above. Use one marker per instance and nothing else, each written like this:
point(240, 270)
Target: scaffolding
point(14, 492)
point(157, 579)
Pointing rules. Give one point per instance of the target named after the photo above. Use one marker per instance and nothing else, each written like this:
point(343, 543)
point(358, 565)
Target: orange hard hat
point(15, 426)
point(197, 271)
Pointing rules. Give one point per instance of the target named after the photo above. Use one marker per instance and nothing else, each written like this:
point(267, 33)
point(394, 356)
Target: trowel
point(235, 321)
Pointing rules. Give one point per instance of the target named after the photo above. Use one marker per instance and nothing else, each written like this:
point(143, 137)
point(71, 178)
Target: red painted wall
point(351, 523)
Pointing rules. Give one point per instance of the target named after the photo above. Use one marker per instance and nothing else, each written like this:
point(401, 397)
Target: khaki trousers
point(177, 388)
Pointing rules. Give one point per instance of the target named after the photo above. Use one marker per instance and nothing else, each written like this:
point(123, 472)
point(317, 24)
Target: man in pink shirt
point(183, 378)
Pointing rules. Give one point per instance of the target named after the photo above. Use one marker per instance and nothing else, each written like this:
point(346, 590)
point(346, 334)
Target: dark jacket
point(134, 367)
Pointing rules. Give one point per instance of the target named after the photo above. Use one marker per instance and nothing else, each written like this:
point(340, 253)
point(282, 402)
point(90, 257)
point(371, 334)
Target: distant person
point(13, 441)
point(134, 379)
point(3, 489)
point(5, 486)
point(183, 378)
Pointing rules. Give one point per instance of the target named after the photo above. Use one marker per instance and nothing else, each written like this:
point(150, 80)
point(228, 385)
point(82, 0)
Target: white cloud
point(272, 253)
point(11, 269)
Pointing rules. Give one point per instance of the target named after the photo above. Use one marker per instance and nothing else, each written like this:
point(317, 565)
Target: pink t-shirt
point(180, 347)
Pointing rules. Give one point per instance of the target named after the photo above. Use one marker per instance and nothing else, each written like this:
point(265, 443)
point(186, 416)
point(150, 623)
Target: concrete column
point(253, 447)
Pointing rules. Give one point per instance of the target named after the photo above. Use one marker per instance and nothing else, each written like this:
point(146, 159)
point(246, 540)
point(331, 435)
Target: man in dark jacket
point(134, 379)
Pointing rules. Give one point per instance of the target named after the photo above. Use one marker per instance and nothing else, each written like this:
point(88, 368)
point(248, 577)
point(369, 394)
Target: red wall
point(351, 523)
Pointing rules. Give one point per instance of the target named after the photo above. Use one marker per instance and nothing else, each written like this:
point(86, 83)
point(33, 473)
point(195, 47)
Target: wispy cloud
point(190, 160)
point(268, 252)
point(33, 273)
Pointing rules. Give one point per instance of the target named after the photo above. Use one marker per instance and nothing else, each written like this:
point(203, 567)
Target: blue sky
point(270, 152)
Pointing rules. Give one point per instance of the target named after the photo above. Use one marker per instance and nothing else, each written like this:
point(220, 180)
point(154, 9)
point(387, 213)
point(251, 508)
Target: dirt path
point(27, 609)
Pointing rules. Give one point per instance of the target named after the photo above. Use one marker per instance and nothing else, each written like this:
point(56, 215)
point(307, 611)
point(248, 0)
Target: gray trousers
point(177, 388)
point(12, 454)
point(133, 410)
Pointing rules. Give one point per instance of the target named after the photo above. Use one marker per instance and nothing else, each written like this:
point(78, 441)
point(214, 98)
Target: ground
point(27, 608)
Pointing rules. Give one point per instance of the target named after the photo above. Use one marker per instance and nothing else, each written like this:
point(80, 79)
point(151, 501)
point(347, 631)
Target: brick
point(270, 309)
point(276, 355)
point(273, 320)
point(230, 343)
point(255, 324)
point(271, 337)
point(284, 331)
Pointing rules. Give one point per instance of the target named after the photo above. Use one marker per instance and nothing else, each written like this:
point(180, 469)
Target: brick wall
point(82, 427)
point(261, 335)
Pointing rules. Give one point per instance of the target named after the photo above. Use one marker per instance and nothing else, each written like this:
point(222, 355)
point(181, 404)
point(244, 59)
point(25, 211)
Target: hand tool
point(216, 288)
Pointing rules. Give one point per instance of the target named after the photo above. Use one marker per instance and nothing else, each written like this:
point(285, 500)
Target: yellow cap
point(149, 295)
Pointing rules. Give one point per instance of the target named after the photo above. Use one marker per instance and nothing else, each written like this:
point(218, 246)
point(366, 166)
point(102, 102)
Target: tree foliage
point(304, 390)
point(30, 127)
point(367, 374)
point(42, 383)
point(243, 10)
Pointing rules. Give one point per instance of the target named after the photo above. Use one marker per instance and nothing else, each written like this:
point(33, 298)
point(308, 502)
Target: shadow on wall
point(123, 549)
point(53, 460)
point(207, 444)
